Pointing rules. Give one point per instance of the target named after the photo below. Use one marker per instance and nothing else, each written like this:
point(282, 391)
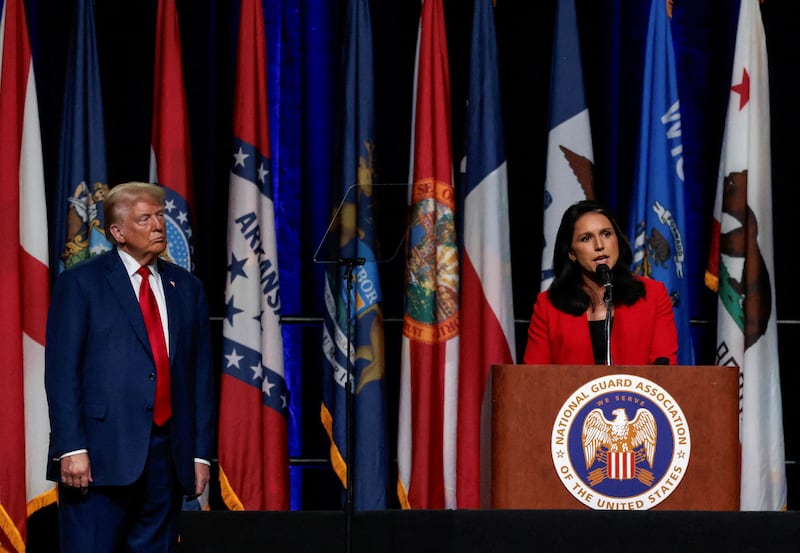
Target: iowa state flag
point(570, 158)
point(741, 268)
point(487, 310)
point(426, 446)
point(253, 445)
point(171, 151)
point(24, 287)
point(83, 175)
point(657, 222)
point(352, 335)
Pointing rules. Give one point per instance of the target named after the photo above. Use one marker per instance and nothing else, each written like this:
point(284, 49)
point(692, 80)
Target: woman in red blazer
point(569, 323)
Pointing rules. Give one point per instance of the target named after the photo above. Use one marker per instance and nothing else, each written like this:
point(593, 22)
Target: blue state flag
point(352, 340)
point(657, 225)
point(82, 176)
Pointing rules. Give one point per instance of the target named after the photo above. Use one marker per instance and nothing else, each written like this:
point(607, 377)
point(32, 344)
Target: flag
point(253, 444)
point(83, 175)
point(487, 309)
point(570, 159)
point(657, 223)
point(741, 268)
point(352, 337)
point(429, 357)
point(24, 287)
point(170, 152)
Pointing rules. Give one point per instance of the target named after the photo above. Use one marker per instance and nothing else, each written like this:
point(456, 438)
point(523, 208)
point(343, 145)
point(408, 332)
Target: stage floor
point(491, 531)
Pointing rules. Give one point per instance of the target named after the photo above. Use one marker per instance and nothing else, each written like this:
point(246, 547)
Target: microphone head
point(604, 274)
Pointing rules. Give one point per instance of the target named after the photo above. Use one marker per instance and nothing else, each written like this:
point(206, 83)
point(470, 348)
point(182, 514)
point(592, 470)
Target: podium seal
point(620, 442)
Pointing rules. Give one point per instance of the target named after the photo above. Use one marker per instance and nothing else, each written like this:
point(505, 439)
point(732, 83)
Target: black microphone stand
point(349, 263)
point(607, 299)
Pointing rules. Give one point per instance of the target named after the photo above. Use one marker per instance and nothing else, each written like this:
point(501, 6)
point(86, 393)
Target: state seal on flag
point(179, 231)
point(620, 442)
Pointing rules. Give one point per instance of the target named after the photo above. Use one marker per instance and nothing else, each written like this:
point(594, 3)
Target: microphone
point(604, 273)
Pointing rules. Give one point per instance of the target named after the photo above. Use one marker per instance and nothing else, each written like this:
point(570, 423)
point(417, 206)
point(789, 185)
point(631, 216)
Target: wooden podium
point(524, 404)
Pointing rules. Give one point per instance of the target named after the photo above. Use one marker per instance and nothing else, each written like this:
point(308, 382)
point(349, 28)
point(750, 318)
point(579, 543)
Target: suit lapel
point(170, 283)
point(119, 280)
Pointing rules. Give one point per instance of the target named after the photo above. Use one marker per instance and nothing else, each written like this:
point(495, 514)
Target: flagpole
point(349, 263)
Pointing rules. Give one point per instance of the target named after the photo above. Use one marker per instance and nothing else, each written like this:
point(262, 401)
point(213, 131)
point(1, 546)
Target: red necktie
point(155, 332)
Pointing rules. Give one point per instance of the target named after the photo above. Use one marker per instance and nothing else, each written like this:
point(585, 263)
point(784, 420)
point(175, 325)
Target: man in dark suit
point(124, 460)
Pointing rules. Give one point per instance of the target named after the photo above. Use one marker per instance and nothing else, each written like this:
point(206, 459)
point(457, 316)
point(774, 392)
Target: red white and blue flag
point(426, 445)
point(24, 287)
point(253, 445)
point(171, 152)
point(570, 160)
point(487, 310)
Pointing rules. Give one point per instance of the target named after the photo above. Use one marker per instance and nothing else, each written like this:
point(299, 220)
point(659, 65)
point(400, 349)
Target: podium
point(611, 437)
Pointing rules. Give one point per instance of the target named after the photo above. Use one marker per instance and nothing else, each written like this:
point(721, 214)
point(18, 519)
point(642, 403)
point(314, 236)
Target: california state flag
point(741, 264)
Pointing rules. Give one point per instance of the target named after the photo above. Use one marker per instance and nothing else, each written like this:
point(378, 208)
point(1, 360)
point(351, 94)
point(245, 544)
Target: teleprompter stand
point(366, 210)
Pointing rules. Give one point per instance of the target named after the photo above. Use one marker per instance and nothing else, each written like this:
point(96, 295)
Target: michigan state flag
point(352, 336)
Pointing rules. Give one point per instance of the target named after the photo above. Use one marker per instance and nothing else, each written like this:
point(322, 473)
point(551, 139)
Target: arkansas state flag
point(253, 445)
point(170, 153)
point(487, 310)
point(24, 287)
point(426, 443)
point(741, 268)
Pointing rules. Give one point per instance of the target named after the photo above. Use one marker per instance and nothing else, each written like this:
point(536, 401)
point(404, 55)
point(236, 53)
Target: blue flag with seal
point(657, 226)
point(82, 176)
point(352, 339)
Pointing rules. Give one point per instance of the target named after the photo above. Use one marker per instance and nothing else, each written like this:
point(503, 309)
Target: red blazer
point(640, 333)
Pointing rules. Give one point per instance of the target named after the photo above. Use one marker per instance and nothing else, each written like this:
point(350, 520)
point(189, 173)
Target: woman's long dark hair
point(566, 292)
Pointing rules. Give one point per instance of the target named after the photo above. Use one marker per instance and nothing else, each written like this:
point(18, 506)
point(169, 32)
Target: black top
point(597, 332)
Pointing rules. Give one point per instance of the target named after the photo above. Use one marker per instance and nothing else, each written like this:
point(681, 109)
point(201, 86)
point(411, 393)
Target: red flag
point(24, 287)
point(170, 154)
point(253, 443)
point(429, 379)
point(487, 311)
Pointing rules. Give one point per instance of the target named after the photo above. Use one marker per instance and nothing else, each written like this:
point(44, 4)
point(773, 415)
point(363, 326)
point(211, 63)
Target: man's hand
point(202, 474)
point(76, 472)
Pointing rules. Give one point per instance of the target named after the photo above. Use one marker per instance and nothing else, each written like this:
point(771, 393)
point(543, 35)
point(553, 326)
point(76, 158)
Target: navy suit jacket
point(100, 373)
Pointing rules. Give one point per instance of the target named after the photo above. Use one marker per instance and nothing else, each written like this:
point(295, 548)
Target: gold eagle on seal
point(602, 437)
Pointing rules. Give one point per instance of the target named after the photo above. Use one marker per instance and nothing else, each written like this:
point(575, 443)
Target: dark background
point(703, 31)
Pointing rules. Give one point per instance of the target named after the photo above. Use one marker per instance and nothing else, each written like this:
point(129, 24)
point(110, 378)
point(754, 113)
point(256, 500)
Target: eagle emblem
point(620, 444)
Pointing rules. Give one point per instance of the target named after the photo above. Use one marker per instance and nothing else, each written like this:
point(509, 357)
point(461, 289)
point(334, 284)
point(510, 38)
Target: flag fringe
point(337, 460)
point(229, 496)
